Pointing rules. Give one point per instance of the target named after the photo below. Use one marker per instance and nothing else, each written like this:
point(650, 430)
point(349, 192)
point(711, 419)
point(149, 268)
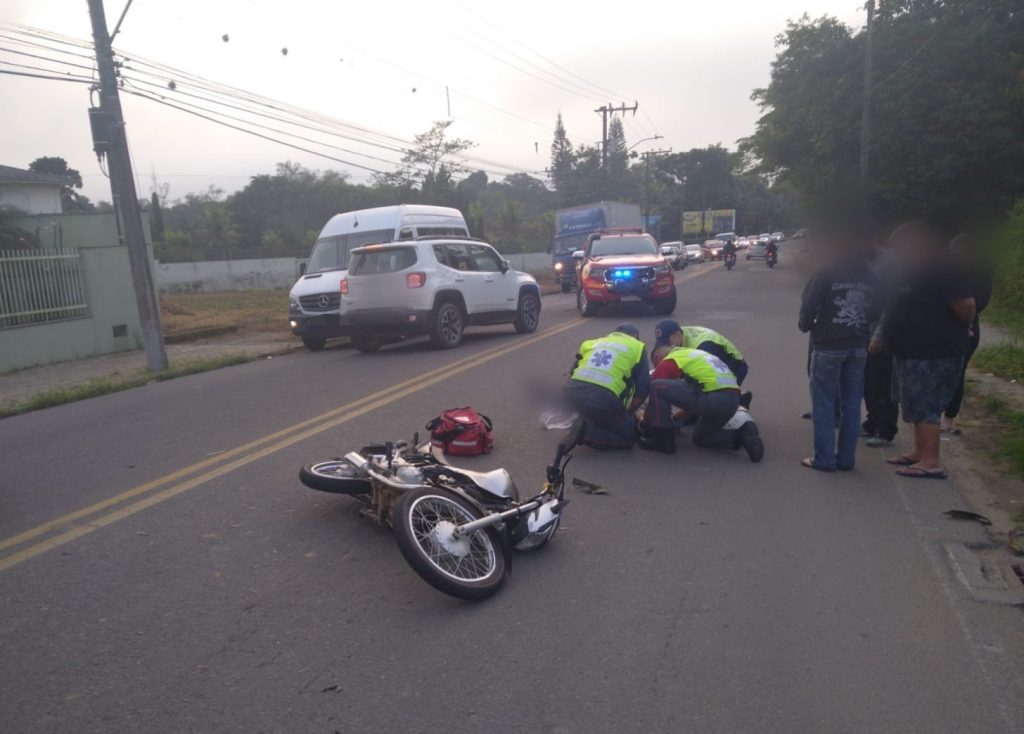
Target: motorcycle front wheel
point(471, 567)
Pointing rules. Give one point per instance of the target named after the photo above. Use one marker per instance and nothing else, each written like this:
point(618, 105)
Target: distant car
point(763, 238)
point(695, 253)
point(673, 252)
point(799, 234)
point(743, 243)
point(432, 285)
point(713, 249)
point(726, 237)
point(758, 251)
point(778, 237)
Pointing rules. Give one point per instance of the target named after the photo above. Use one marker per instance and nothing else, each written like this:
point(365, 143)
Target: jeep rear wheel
point(446, 331)
point(585, 306)
point(528, 313)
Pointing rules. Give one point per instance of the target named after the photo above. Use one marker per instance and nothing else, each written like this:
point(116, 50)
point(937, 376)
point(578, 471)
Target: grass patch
point(118, 382)
point(243, 311)
point(1011, 321)
point(1006, 427)
point(1005, 359)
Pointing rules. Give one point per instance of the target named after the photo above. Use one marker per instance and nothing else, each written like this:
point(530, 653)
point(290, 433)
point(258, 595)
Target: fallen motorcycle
point(455, 527)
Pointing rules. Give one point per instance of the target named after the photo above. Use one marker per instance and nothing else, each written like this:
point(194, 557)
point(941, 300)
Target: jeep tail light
point(416, 280)
point(344, 287)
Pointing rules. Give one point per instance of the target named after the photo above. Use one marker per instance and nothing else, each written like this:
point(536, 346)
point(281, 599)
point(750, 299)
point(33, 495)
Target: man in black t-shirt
point(926, 327)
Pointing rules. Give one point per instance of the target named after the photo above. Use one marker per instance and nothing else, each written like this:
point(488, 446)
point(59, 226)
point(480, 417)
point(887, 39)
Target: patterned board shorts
point(926, 387)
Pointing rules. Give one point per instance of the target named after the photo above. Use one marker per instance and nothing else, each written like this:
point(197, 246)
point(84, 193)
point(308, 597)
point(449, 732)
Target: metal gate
point(38, 286)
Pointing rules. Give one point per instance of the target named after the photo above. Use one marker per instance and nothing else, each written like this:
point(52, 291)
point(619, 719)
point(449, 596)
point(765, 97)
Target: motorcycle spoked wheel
point(336, 476)
point(473, 567)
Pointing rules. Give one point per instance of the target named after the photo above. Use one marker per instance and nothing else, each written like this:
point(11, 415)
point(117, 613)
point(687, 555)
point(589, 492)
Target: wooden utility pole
point(865, 119)
point(122, 192)
point(604, 111)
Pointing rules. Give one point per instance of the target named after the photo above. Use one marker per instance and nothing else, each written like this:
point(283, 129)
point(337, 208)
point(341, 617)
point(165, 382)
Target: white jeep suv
point(435, 286)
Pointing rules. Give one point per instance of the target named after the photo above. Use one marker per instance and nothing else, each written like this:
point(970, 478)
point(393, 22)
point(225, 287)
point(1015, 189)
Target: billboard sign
point(709, 221)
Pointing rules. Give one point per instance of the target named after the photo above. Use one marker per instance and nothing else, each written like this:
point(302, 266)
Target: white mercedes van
point(315, 298)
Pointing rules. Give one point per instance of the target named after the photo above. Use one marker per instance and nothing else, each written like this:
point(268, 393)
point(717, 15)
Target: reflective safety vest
point(694, 336)
point(609, 362)
point(707, 370)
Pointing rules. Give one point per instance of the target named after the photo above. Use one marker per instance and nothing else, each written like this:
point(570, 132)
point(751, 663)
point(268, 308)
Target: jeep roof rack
point(461, 237)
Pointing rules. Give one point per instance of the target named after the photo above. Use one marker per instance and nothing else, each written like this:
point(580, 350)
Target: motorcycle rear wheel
point(336, 476)
point(473, 567)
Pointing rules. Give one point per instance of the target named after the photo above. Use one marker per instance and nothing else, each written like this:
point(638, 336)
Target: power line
point(598, 87)
point(79, 80)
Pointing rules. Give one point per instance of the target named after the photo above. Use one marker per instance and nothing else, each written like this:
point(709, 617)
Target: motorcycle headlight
point(558, 266)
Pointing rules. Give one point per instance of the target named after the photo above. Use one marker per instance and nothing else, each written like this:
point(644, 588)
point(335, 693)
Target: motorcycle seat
point(498, 482)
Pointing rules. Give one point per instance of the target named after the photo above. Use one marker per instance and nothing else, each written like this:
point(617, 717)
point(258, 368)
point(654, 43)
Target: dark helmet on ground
point(664, 330)
point(628, 328)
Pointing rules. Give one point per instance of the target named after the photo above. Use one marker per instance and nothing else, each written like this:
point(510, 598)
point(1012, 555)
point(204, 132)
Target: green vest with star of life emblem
point(609, 362)
point(694, 336)
point(705, 369)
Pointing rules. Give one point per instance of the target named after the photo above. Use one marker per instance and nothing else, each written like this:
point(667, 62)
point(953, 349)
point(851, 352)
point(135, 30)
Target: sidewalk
point(22, 384)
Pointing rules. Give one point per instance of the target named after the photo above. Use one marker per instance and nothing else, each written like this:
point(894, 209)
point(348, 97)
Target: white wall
point(227, 275)
point(31, 198)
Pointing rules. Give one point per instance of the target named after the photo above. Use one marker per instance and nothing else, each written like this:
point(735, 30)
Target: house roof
point(10, 174)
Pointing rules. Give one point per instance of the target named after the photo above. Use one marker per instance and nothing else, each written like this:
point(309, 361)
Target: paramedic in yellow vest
point(609, 381)
point(705, 387)
point(669, 334)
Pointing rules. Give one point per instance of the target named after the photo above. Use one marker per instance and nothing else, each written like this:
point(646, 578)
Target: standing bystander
point(837, 306)
point(964, 252)
point(926, 327)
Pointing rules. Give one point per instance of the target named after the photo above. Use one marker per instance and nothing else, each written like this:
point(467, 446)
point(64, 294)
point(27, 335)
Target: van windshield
point(331, 253)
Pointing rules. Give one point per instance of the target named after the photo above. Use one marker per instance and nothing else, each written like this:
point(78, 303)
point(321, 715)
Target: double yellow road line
point(74, 525)
point(88, 519)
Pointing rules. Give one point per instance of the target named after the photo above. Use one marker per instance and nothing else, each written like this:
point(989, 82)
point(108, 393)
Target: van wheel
point(313, 343)
point(446, 331)
point(528, 314)
point(365, 344)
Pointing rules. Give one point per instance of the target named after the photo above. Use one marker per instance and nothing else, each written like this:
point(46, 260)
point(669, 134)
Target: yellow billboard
point(709, 222)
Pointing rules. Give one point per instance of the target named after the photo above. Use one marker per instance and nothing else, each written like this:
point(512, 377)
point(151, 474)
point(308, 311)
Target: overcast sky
point(383, 65)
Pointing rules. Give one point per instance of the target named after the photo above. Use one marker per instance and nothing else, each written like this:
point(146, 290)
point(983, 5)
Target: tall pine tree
point(563, 160)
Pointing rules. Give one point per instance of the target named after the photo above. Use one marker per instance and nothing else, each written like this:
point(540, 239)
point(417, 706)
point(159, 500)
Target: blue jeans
point(836, 376)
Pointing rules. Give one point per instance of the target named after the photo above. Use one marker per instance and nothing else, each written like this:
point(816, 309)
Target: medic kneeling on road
point(668, 335)
point(704, 387)
point(609, 381)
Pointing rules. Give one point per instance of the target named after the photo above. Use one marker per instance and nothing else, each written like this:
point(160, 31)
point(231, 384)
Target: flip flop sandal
point(902, 460)
point(914, 473)
point(809, 463)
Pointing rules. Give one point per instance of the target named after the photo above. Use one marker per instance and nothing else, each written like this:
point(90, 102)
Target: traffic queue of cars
point(379, 276)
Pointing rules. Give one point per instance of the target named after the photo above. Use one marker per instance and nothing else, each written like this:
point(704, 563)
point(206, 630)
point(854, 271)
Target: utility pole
point(122, 192)
point(865, 120)
point(647, 155)
point(604, 111)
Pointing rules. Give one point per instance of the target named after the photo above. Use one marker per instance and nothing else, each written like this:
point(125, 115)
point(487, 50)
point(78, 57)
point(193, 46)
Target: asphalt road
point(162, 570)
